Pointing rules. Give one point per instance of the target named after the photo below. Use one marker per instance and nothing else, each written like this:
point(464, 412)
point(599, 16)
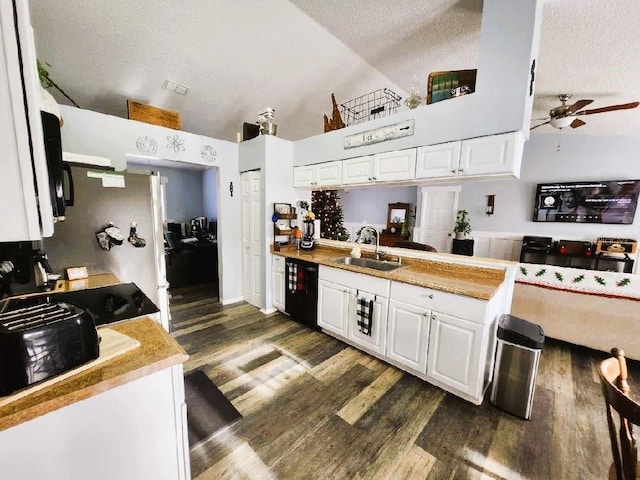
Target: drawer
point(460, 306)
point(366, 283)
point(278, 262)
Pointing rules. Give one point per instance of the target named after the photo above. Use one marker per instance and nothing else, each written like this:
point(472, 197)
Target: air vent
point(175, 87)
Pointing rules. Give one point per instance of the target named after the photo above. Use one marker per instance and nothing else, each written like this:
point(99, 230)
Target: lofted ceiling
point(240, 56)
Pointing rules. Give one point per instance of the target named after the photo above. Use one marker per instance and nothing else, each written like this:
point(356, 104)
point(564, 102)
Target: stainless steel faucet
point(372, 230)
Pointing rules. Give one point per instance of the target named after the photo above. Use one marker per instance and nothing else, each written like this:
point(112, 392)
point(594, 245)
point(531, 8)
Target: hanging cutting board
point(112, 344)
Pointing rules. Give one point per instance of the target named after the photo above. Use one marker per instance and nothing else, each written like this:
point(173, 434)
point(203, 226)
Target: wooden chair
point(613, 377)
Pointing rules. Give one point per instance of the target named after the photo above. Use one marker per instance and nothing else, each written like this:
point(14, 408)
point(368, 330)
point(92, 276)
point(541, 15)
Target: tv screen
point(588, 202)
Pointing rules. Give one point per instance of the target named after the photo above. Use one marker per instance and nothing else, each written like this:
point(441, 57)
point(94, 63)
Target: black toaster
point(43, 340)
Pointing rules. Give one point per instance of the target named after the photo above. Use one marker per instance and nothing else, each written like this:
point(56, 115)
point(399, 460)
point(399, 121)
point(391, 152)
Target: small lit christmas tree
point(326, 206)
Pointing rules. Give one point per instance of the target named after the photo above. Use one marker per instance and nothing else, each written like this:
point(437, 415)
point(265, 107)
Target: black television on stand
point(612, 201)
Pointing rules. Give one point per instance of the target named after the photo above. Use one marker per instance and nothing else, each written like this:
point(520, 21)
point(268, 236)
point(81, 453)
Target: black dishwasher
point(301, 291)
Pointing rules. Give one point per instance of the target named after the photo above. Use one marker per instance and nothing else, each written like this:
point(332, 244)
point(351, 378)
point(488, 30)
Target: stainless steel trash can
point(517, 356)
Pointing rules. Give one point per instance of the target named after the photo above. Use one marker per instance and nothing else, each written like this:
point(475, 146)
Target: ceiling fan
point(566, 115)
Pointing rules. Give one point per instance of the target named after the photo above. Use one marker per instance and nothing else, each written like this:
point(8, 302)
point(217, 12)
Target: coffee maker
point(308, 230)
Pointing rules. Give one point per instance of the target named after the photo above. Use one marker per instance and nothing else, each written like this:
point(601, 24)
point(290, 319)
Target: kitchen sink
point(380, 265)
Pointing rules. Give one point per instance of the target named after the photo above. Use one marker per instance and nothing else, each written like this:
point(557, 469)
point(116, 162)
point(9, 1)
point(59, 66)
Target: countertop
point(157, 351)
point(468, 280)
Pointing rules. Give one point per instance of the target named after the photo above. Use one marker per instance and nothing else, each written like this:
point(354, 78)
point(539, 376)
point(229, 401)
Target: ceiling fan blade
point(577, 123)
point(578, 105)
point(545, 123)
point(610, 108)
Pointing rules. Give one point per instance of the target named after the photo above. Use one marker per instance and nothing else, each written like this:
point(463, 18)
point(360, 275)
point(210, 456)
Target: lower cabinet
point(278, 283)
point(408, 335)
point(333, 307)
point(375, 342)
point(455, 353)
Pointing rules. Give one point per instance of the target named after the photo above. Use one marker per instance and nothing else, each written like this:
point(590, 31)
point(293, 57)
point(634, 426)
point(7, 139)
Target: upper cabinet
point(392, 166)
point(494, 155)
point(435, 161)
point(24, 183)
point(319, 175)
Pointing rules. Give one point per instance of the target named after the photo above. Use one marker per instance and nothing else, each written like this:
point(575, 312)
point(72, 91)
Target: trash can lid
point(520, 332)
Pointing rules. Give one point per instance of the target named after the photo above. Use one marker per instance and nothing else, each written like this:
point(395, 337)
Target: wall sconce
point(491, 199)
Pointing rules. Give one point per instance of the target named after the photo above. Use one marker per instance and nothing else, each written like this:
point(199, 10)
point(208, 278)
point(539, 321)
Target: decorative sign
point(382, 134)
point(208, 153)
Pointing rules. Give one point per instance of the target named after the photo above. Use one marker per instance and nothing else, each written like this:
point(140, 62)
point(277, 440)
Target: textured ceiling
point(240, 56)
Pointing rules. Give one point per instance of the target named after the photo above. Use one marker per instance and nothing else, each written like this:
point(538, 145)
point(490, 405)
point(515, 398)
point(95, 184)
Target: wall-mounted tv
point(589, 202)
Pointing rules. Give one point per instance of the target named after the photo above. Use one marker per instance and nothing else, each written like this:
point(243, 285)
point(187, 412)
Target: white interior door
point(438, 216)
point(252, 238)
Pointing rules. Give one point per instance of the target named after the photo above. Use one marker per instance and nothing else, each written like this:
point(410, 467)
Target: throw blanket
point(591, 282)
point(365, 315)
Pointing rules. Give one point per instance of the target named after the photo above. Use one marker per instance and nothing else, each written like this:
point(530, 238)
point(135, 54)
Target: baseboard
point(232, 300)
point(268, 311)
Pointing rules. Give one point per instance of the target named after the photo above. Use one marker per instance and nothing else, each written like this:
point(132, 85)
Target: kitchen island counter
point(467, 280)
point(157, 351)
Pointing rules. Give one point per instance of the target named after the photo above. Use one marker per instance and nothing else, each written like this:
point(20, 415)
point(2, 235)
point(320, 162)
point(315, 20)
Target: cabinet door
point(435, 161)
point(394, 166)
point(357, 170)
point(333, 307)
point(329, 173)
point(278, 286)
point(407, 335)
point(494, 154)
point(304, 176)
point(376, 341)
point(455, 347)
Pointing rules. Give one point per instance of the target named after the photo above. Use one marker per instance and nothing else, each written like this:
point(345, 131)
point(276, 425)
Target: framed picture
point(445, 85)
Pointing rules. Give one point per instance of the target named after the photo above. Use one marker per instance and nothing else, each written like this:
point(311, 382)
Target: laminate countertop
point(157, 351)
point(468, 280)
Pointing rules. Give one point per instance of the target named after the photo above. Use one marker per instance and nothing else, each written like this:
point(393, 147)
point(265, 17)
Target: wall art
point(208, 153)
point(147, 145)
point(175, 143)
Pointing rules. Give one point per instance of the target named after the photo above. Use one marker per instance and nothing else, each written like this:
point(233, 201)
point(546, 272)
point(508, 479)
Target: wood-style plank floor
point(315, 408)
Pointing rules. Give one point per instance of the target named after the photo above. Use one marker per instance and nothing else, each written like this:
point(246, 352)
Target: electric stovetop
point(109, 304)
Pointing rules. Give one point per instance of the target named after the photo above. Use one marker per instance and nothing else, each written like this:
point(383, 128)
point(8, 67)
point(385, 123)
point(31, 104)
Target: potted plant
point(462, 227)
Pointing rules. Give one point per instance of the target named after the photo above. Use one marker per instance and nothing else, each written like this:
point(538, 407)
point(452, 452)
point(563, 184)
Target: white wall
point(184, 191)
point(370, 204)
point(210, 193)
point(581, 157)
point(93, 133)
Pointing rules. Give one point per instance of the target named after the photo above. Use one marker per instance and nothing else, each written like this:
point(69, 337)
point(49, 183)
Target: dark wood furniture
point(388, 239)
point(463, 247)
point(615, 387)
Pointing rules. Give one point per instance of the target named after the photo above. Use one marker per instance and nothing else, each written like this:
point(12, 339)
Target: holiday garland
point(326, 205)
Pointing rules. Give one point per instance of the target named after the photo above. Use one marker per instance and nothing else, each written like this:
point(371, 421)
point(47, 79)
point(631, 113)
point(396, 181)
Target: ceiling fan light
point(561, 122)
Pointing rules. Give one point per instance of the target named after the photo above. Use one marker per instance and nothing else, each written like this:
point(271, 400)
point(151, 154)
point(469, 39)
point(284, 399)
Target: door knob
point(461, 170)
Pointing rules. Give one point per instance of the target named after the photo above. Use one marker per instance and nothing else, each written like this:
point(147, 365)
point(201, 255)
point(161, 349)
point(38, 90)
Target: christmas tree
point(326, 205)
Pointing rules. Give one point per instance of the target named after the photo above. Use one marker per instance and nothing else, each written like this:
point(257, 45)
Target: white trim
point(232, 300)
point(268, 311)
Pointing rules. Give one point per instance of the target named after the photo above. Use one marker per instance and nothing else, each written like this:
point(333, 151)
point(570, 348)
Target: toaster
point(42, 340)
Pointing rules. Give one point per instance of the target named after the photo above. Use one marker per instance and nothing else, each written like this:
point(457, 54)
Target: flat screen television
point(587, 202)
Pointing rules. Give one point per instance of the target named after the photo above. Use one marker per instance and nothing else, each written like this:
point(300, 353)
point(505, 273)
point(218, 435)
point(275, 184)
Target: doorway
point(438, 216)
point(252, 236)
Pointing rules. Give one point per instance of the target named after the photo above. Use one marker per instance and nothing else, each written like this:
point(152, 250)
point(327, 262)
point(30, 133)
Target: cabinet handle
point(453, 171)
point(431, 296)
point(433, 317)
point(370, 179)
point(345, 291)
point(461, 170)
point(374, 179)
point(425, 314)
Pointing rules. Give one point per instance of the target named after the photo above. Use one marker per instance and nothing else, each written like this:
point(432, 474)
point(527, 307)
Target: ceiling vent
point(175, 87)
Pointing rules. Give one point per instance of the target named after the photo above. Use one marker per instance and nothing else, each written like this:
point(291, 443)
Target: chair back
point(615, 387)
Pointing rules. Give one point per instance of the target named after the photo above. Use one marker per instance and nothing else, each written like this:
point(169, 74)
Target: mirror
point(396, 216)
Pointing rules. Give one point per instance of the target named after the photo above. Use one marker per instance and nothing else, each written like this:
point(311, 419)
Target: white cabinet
point(24, 170)
point(278, 282)
point(375, 342)
point(408, 335)
point(357, 170)
point(319, 175)
point(333, 307)
point(494, 154)
point(454, 359)
point(434, 161)
point(382, 167)
point(394, 166)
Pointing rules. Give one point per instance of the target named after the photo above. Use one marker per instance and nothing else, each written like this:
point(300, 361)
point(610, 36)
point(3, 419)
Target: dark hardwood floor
point(315, 408)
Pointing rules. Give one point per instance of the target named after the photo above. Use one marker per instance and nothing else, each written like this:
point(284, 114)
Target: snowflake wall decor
point(175, 143)
point(208, 153)
point(147, 145)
